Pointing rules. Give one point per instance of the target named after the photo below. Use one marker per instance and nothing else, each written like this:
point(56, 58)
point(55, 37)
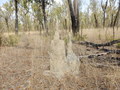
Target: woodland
point(60, 45)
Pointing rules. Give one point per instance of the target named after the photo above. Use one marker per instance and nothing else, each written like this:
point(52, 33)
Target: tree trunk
point(111, 24)
point(65, 26)
point(74, 13)
point(16, 17)
point(6, 20)
point(104, 18)
point(44, 15)
point(96, 21)
point(104, 7)
point(115, 20)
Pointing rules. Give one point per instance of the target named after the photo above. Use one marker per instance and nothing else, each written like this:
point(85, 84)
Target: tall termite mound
point(62, 59)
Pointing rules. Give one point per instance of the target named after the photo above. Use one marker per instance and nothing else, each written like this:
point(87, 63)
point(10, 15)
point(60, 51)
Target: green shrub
point(13, 40)
point(110, 38)
point(80, 38)
point(66, 39)
point(118, 45)
point(10, 40)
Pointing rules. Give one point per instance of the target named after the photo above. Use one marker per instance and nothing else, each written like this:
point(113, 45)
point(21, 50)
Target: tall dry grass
point(23, 67)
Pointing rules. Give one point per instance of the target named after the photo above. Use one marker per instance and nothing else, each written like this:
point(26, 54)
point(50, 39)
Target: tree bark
point(74, 13)
point(104, 7)
point(65, 24)
point(96, 21)
point(44, 15)
point(16, 17)
point(6, 20)
point(111, 24)
point(115, 20)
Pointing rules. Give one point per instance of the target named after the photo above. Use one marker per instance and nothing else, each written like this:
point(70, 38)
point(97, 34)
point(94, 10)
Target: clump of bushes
point(10, 40)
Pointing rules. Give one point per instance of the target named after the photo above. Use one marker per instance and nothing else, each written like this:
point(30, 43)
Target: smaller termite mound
point(62, 59)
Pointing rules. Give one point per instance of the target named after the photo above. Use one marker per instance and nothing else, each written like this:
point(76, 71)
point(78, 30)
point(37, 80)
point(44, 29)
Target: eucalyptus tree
point(104, 7)
point(117, 14)
point(43, 4)
point(17, 4)
point(74, 13)
point(116, 19)
point(56, 14)
point(94, 9)
point(6, 13)
point(16, 15)
point(111, 12)
point(24, 12)
point(37, 16)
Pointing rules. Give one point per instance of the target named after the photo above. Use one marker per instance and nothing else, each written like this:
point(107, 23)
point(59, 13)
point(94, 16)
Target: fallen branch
point(111, 51)
point(114, 58)
point(93, 55)
point(100, 65)
point(100, 45)
point(98, 55)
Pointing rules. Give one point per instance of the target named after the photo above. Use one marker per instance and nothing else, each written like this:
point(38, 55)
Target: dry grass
point(101, 35)
point(25, 67)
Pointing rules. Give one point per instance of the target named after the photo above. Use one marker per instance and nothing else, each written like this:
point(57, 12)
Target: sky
point(2, 2)
point(85, 3)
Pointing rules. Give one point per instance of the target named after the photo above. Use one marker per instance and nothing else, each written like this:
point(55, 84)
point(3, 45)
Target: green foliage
point(75, 38)
point(0, 39)
point(118, 45)
point(80, 38)
point(11, 40)
point(110, 38)
point(66, 39)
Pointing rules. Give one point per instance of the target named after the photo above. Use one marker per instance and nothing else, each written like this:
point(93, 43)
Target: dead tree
point(104, 7)
point(74, 13)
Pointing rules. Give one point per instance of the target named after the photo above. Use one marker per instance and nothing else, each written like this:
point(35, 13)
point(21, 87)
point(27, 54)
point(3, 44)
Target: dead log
point(100, 45)
point(93, 55)
point(100, 65)
point(111, 51)
point(114, 58)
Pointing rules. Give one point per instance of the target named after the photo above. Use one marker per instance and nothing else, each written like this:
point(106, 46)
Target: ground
point(25, 66)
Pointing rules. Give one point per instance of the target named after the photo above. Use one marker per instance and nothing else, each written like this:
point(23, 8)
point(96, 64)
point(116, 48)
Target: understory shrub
point(118, 45)
point(10, 40)
point(80, 38)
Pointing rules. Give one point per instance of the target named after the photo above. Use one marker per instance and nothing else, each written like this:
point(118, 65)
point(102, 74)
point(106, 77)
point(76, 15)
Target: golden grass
point(101, 35)
point(23, 68)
